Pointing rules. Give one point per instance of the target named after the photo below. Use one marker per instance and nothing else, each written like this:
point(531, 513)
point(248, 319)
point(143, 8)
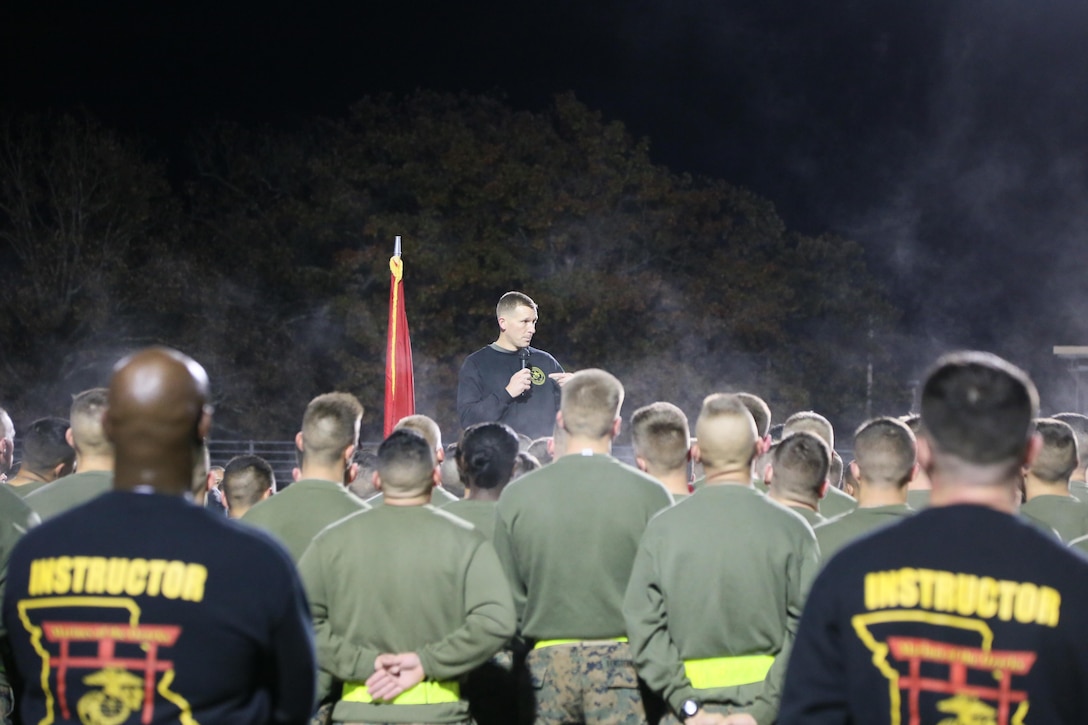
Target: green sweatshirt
point(68, 492)
point(567, 535)
point(814, 518)
point(405, 579)
point(918, 498)
point(1064, 514)
point(836, 502)
point(25, 489)
point(439, 497)
point(841, 530)
point(1079, 490)
point(297, 514)
point(722, 574)
point(480, 514)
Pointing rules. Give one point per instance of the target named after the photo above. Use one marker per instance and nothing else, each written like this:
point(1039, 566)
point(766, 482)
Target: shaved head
point(811, 422)
point(7, 441)
point(157, 415)
point(726, 433)
point(85, 417)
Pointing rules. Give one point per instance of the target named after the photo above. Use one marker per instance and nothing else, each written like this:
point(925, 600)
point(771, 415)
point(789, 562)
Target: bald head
point(157, 414)
point(726, 434)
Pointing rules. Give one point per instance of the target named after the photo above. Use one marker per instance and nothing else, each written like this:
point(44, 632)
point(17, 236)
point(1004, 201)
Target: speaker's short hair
point(511, 301)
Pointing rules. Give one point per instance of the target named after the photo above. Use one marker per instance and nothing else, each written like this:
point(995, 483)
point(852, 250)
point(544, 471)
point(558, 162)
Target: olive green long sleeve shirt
point(722, 574)
point(405, 579)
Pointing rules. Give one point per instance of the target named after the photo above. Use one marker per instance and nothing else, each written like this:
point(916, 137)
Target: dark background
point(948, 137)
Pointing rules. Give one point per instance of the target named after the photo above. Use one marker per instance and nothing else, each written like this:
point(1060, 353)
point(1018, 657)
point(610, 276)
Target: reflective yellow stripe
point(727, 671)
point(425, 693)
point(553, 642)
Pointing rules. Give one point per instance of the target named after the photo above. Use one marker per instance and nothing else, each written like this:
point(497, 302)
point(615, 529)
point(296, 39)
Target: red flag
point(400, 397)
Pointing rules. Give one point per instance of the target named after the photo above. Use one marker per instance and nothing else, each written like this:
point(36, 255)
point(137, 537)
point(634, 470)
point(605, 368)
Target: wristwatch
point(690, 707)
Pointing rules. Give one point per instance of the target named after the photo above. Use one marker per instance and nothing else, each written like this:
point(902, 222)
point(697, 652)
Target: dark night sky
point(947, 136)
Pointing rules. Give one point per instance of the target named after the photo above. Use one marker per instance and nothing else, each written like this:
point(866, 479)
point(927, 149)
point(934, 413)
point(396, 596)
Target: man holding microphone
point(508, 381)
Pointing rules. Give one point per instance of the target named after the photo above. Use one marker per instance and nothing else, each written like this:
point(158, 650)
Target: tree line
point(262, 252)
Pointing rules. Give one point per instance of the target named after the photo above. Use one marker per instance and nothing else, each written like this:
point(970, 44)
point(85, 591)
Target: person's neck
point(407, 501)
point(161, 477)
point(1000, 496)
point(919, 483)
point(871, 496)
point(90, 464)
point(482, 494)
point(791, 502)
point(729, 477)
point(1034, 487)
point(501, 343)
point(674, 481)
point(28, 476)
point(581, 445)
point(322, 473)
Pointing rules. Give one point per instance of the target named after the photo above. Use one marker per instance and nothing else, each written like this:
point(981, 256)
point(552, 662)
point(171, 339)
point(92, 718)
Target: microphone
point(523, 353)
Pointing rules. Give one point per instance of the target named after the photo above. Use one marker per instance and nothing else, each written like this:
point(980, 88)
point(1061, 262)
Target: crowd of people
point(740, 572)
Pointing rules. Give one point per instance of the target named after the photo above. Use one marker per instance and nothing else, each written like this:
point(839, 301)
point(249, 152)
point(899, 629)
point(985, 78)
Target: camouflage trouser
point(323, 714)
point(594, 684)
point(7, 706)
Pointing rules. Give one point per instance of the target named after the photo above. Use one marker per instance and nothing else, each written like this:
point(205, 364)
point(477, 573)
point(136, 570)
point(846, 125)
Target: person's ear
point(617, 426)
point(440, 454)
point(768, 473)
point(696, 454)
point(67, 439)
point(640, 462)
point(854, 469)
point(351, 473)
point(376, 481)
point(299, 441)
point(1035, 446)
point(823, 488)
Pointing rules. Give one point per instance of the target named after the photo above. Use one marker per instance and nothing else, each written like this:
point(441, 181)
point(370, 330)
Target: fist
point(520, 381)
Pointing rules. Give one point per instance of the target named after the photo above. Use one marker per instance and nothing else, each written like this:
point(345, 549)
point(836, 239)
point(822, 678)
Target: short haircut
point(423, 425)
point(979, 409)
point(1079, 424)
point(590, 403)
point(330, 425)
point(761, 412)
point(245, 481)
point(810, 422)
point(801, 463)
point(1057, 458)
point(524, 463)
point(86, 420)
point(834, 476)
point(406, 463)
point(660, 434)
point(539, 450)
point(511, 301)
point(885, 451)
point(366, 457)
point(44, 445)
point(486, 455)
point(726, 433)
